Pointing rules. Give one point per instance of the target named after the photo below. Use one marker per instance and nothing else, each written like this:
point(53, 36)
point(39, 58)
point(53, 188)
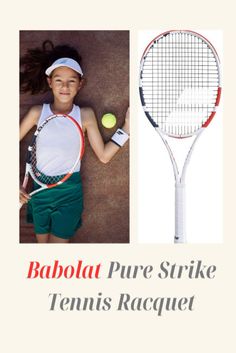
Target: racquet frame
point(180, 208)
point(180, 176)
point(28, 166)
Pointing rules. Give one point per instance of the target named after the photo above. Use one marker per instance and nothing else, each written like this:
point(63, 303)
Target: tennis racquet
point(180, 91)
point(56, 150)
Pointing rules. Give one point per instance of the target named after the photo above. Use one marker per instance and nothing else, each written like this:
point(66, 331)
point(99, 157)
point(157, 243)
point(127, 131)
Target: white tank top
point(57, 145)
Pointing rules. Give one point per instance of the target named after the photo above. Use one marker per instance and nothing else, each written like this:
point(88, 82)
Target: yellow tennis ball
point(109, 120)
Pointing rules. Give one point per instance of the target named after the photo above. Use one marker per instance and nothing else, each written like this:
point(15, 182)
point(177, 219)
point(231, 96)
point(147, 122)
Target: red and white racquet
point(55, 152)
point(180, 91)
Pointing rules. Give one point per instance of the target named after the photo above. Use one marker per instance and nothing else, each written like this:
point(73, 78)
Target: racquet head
point(180, 82)
point(55, 151)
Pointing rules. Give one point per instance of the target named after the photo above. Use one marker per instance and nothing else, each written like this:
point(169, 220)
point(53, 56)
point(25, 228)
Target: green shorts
point(58, 210)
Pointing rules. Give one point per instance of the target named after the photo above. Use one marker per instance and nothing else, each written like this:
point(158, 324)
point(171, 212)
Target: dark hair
point(34, 63)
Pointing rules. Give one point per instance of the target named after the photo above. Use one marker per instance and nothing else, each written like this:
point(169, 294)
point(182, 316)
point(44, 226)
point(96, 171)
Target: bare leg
point(42, 238)
point(54, 239)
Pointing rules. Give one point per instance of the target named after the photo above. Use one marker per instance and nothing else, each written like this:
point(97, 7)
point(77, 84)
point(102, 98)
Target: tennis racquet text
point(120, 273)
point(125, 302)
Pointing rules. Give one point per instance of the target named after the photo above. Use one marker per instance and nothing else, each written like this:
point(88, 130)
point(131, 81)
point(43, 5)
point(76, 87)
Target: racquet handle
point(180, 233)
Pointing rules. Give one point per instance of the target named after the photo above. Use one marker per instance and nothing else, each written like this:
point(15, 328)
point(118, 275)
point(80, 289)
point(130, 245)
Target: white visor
point(68, 62)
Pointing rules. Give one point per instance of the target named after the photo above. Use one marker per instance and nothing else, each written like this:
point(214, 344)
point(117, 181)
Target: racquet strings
point(180, 80)
point(40, 176)
point(55, 151)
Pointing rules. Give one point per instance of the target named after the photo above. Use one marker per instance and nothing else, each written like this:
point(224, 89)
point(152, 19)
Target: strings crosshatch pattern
point(180, 82)
point(54, 178)
point(180, 91)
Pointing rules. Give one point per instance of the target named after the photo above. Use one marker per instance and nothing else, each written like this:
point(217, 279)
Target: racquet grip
point(180, 232)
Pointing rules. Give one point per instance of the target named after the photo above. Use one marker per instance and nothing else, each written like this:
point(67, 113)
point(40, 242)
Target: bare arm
point(104, 152)
point(30, 120)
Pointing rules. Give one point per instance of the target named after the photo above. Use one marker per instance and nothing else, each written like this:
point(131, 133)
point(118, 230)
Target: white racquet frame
point(180, 204)
point(147, 97)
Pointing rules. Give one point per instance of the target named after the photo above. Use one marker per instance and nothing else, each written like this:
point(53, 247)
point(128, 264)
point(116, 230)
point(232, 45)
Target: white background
point(203, 178)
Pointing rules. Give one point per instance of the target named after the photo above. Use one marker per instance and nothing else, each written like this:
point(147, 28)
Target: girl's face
point(65, 84)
